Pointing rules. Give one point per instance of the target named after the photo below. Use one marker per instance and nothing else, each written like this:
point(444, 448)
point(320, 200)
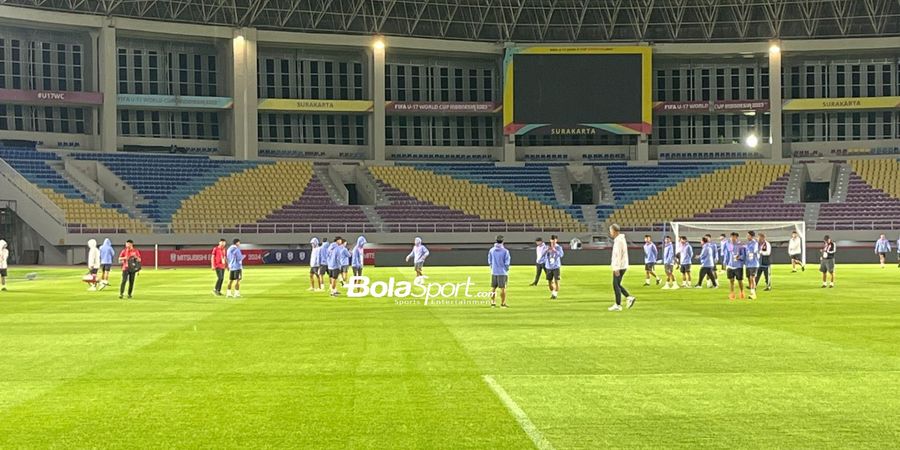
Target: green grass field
point(802, 367)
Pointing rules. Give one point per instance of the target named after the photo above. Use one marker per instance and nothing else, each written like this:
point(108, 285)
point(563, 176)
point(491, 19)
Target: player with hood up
point(93, 263)
point(315, 280)
point(107, 255)
point(358, 256)
point(418, 254)
point(4, 256)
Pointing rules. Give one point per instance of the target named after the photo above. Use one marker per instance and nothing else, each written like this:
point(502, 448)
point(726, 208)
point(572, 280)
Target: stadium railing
point(310, 228)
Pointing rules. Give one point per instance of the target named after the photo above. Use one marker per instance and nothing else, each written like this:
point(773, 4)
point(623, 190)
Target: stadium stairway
point(699, 195)
point(489, 199)
point(81, 214)
point(244, 197)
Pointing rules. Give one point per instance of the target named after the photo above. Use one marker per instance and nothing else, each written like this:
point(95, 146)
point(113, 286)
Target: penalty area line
point(525, 423)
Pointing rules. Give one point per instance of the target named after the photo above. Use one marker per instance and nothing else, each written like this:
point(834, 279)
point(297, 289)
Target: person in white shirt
point(93, 263)
point(4, 256)
point(795, 250)
point(619, 264)
point(539, 248)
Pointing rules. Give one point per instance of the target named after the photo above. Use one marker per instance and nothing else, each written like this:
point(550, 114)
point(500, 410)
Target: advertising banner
point(443, 107)
point(173, 101)
point(286, 256)
point(53, 98)
point(289, 104)
point(705, 107)
point(178, 258)
point(839, 104)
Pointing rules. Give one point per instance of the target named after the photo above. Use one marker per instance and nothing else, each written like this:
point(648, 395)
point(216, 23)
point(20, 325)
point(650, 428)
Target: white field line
point(525, 423)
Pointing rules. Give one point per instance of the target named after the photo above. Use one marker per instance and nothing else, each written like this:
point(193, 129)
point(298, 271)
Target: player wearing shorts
point(345, 263)
point(882, 248)
point(668, 260)
point(418, 254)
point(235, 260)
point(358, 256)
point(735, 254)
point(498, 261)
point(93, 263)
point(751, 264)
point(795, 251)
point(107, 254)
point(315, 280)
point(552, 261)
point(4, 267)
point(708, 263)
point(324, 248)
point(826, 266)
point(338, 254)
point(650, 254)
point(687, 254)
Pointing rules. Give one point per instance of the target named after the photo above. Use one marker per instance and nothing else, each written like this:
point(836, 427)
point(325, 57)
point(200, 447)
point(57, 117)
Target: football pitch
point(801, 367)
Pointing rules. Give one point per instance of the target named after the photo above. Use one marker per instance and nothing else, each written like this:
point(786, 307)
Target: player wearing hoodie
point(315, 280)
point(107, 255)
point(335, 257)
point(552, 261)
point(93, 263)
point(4, 256)
point(324, 247)
point(359, 256)
point(345, 263)
point(418, 254)
point(499, 260)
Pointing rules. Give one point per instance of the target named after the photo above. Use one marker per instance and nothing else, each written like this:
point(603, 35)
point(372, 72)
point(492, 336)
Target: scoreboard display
point(577, 90)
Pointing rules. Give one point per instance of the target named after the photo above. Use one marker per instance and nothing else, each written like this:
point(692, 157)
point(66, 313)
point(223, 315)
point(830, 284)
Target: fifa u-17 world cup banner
point(303, 105)
point(173, 101)
point(199, 257)
point(838, 104)
point(443, 107)
point(41, 97)
point(707, 106)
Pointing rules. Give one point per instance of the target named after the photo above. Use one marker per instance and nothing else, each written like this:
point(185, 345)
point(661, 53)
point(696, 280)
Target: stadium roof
point(523, 20)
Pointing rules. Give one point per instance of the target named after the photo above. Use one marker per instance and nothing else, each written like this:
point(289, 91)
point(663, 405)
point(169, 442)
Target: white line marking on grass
point(524, 422)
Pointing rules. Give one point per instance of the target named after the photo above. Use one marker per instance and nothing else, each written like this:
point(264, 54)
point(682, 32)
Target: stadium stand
point(244, 197)
point(482, 200)
point(873, 199)
point(81, 214)
point(163, 181)
point(313, 211)
point(768, 203)
point(701, 194)
point(532, 181)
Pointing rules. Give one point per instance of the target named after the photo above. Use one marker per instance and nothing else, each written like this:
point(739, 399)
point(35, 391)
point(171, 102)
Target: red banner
point(369, 256)
point(173, 258)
